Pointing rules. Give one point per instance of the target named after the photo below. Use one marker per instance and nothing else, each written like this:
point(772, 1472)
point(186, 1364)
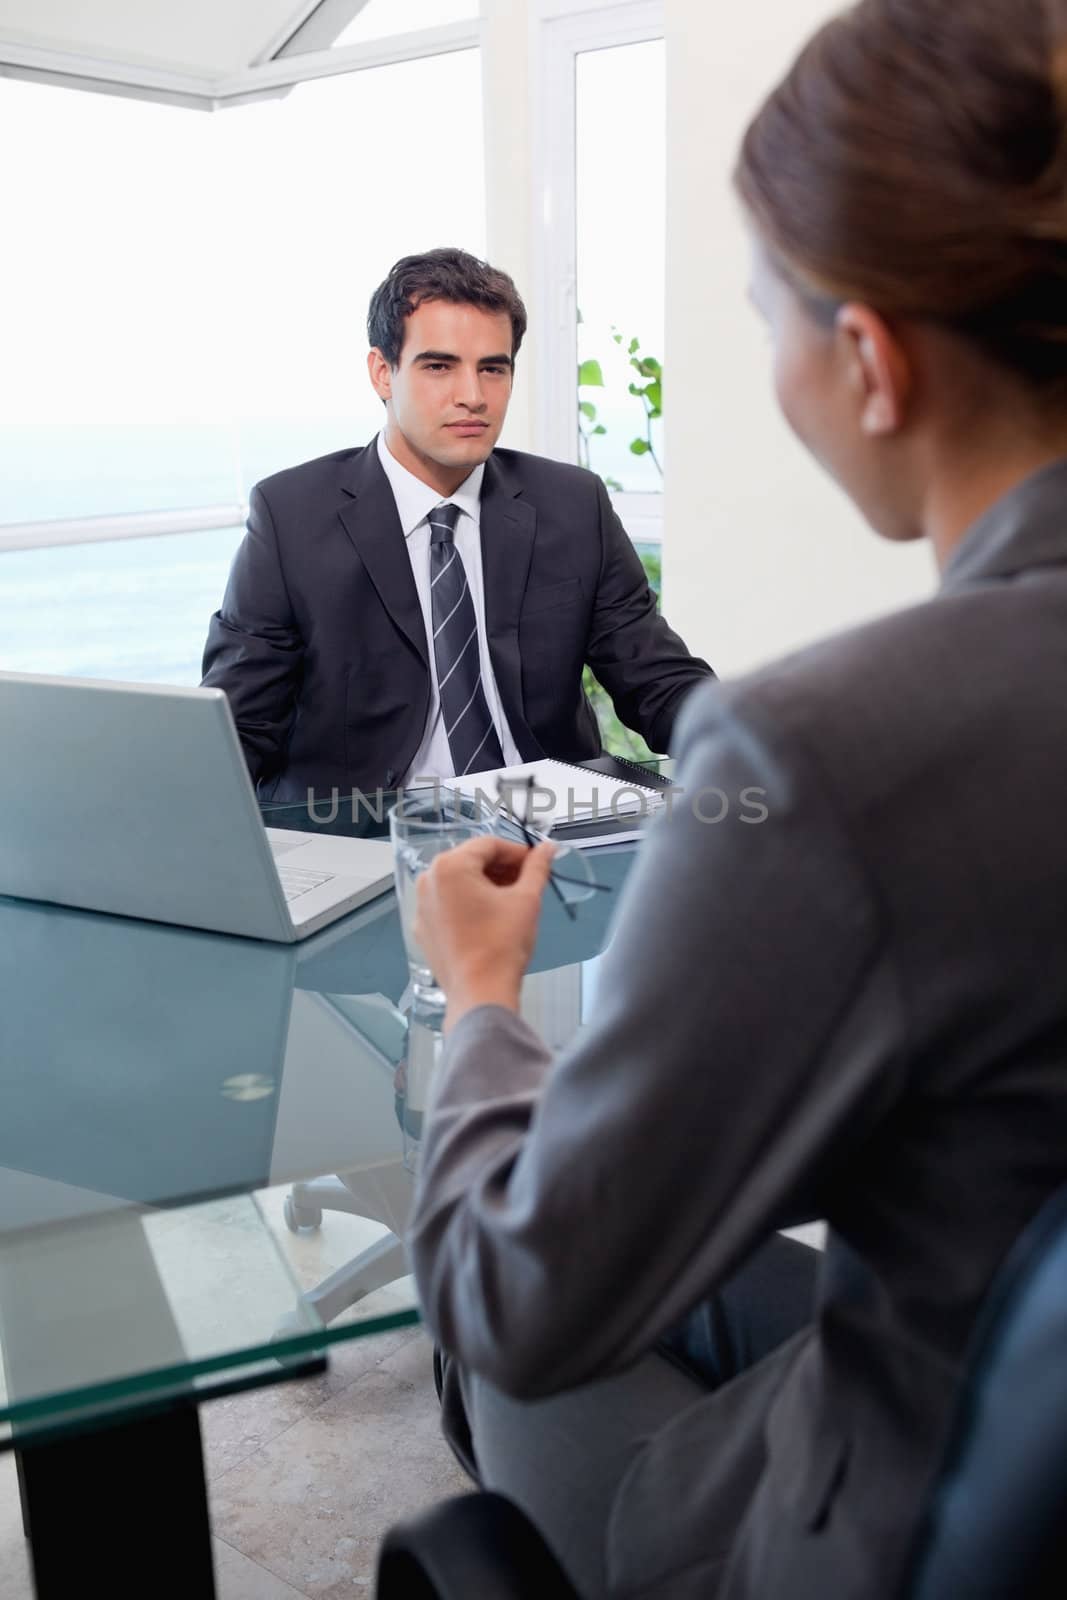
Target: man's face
point(447, 398)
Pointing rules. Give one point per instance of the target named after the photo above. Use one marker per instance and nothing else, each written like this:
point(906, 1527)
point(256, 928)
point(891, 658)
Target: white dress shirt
point(414, 502)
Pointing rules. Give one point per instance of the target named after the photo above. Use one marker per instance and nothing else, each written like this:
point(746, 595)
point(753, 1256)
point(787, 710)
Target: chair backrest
point(997, 1521)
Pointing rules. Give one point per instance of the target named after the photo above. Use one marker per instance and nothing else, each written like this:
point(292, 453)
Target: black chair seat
point(475, 1547)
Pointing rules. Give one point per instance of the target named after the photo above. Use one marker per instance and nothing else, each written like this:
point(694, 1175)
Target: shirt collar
point(415, 499)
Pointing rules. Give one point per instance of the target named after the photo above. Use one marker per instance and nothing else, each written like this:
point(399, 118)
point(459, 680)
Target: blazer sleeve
point(254, 648)
point(641, 662)
point(745, 1035)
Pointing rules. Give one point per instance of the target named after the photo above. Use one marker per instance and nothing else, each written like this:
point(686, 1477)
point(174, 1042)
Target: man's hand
point(478, 909)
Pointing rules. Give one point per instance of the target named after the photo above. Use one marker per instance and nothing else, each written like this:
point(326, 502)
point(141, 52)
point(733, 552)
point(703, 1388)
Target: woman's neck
point(963, 492)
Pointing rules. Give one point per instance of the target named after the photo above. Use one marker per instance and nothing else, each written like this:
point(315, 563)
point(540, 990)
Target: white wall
point(761, 551)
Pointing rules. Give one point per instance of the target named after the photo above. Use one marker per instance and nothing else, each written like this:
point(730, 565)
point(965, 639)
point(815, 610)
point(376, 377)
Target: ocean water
point(132, 609)
point(97, 469)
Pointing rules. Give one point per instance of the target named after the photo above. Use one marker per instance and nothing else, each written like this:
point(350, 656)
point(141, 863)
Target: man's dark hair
point(451, 275)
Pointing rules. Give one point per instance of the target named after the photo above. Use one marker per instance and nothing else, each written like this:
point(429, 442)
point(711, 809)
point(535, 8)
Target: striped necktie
point(472, 738)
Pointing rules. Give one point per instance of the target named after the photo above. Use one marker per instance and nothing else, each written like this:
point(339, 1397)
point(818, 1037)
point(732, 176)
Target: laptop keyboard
point(298, 880)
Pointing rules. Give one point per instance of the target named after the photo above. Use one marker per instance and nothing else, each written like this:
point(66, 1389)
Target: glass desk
point(156, 1085)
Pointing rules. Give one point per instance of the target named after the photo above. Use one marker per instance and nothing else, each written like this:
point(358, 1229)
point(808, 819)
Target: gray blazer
point(856, 1010)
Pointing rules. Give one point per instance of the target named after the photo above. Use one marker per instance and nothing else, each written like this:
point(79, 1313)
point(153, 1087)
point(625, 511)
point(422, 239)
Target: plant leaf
point(588, 409)
point(654, 395)
point(639, 447)
point(600, 428)
point(635, 345)
point(590, 375)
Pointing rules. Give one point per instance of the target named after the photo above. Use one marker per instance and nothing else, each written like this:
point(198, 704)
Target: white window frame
point(271, 76)
point(566, 29)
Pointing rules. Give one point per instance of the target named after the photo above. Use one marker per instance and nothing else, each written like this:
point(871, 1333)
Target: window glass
point(621, 164)
point(184, 297)
point(332, 185)
point(111, 319)
point(132, 609)
point(183, 310)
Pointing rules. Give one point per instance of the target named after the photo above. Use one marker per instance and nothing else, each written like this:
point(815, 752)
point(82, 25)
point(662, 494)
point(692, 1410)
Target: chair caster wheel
point(298, 1217)
point(290, 1326)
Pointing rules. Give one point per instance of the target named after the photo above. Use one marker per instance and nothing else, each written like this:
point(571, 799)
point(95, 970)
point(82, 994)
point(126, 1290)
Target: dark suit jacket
point(855, 1010)
point(320, 643)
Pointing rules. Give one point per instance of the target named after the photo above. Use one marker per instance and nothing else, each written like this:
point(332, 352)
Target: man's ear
point(381, 374)
point(879, 369)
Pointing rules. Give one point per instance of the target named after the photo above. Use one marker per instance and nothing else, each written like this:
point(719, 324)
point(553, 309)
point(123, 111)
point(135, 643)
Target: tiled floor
point(305, 1477)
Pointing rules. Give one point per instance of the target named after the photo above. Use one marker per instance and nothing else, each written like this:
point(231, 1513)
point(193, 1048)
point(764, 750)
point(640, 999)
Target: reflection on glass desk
point(171, 1103)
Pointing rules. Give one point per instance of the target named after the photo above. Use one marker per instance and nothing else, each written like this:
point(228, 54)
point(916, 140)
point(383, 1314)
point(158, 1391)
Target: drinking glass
point(421, 826)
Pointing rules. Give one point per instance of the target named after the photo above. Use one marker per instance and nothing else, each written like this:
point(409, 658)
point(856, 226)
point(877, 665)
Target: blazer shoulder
point(865, 704)
point(315, 477)
point(530, 472)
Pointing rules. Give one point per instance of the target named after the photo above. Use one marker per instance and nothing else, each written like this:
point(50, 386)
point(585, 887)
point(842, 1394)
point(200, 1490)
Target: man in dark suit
point(424, 605)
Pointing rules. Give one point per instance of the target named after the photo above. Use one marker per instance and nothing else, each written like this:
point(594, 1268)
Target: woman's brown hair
point(915, 159)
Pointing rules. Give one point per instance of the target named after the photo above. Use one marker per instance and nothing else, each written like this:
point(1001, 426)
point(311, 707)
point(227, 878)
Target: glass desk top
point(160, 1089)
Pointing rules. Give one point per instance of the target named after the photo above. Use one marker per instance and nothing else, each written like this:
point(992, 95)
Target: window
point(620, 158)
point(602, 119)
point(184, 312)
point(132, 609)
point(602, 136)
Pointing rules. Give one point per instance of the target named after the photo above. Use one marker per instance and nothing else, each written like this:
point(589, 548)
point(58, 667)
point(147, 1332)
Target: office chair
point(997, 1520)
point(996, 1523)
point(381, 1190)
point(347, 1048)
point(474, 1545)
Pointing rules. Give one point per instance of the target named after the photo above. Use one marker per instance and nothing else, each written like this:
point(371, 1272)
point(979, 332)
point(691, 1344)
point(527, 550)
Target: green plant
point(616, 738)
point(590, 376)
point(649, 392)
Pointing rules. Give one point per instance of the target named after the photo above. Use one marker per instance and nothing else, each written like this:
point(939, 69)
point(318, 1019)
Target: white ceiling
point(190, 46)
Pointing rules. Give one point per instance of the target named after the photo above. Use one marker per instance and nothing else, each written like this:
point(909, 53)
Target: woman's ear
point(878, 368)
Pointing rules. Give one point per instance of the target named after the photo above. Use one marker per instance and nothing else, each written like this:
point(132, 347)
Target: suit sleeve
point(569, 1212)
point(642, 663)
point(254, 648)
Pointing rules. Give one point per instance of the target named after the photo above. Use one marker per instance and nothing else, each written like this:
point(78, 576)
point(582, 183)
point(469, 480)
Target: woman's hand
point(477, 913)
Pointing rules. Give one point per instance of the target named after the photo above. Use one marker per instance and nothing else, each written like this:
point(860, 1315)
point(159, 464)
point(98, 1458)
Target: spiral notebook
point(608, 800)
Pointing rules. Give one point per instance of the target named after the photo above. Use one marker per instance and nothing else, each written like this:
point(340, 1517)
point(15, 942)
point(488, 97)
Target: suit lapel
point(370, 519)
point(508, 527)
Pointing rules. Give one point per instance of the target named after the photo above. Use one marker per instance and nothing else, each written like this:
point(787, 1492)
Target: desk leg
point(121, 1510)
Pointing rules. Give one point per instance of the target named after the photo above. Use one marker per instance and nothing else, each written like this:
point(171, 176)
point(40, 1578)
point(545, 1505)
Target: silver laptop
point(135, 799)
